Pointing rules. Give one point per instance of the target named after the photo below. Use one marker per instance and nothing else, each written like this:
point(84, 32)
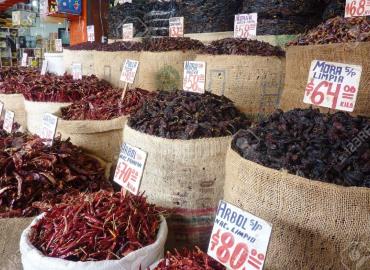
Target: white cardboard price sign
point(128, 31)
point(24, 59)
point(333, 85)
point(91, 33)
point(58, 45)
point(8, 121)
point(49, 126)
point(130, 168)
point(77, 71)
point(44, 67)
point(357, 8)
point(194, 76)
point(245, 25)
point(239, 239)
point(176, 27)
point(129, 71)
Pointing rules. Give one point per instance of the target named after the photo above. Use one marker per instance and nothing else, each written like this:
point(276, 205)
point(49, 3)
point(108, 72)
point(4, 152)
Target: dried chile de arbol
point(96, 227)
point(185, 115)
point(332, 148)
point(171, 44)
point(111, 47)
point(106, 105)
point(14, 80)
point(33, 173)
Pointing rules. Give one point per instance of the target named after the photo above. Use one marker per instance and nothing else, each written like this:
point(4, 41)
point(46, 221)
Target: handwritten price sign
point(357, 8)
point(130, 168)
point(58, 45)
point(129, 71)
point(49, 126)
point(91, 33)
point(77, 71)
point(24, 59)
point(194, 76)
point(239, 240)
point(44, 67)
point(245, 25)
point(128, 32)
point(333, 85)
point(8, 121)
point(176, 27)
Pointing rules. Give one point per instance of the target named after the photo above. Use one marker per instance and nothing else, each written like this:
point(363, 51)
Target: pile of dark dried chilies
point(112, 47)
point(171, 44)
point(185, 115)
point(189, 260)
point(242, 47)
point(15, 79)
point(33, 173)
point(100, 226)
point(106, 105)
point(337, 30)
point(332, 148)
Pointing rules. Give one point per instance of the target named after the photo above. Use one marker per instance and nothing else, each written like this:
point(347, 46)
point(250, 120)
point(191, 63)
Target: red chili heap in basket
point(101, 226)
point(112, 47)
point(14, 80)
point(189, 260)
point(106, 105)
point(31, 172)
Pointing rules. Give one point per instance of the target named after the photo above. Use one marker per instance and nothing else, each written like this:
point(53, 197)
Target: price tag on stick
point(239, 239)
point(128, 74)
point(58, 45)
point(77, 71)
point(128, 32)
point(176, 27)
point(333, 85)
point(357, 8)
point(24, 59)
point(8, 121)
point(194, 76)
point(49, 127)
point(130, 168)
point(245, 25)
point(91, 33)
point(44, 67)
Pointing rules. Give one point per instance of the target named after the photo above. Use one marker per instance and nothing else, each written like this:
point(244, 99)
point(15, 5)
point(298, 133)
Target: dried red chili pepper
point(95, 227)
point(171, 44)
point(111, 47)
point(13, 80)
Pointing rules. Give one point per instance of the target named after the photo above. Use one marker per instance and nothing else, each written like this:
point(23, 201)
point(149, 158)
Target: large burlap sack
point(101, 138)
point(254, 83)
point(162, 70)
point(15, 103)
point(35, 110)
point(33, 259)
point(186, 177)
point(86, 58)
point(315, 225)
point(10, 234)
point(298, 63)
point(108, 65)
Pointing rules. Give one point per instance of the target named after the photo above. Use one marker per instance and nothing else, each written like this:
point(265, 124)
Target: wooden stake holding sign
point(128, 74)
point(245, 25)
point(49, 127)
point(8, 121)
point(194, 76)
point(239, 240)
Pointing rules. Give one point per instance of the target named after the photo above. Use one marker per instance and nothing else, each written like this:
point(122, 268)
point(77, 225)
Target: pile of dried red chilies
point(171, 44)
point(33, 173)
point(106, 105)
point(14, 80)
point(100, 226)
point(189, 260)
point(111, 47)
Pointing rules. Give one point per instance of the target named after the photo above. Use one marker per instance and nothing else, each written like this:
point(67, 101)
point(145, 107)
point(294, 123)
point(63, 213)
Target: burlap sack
point(254, 83)
point(35, 111)
point(101, 138)
point(86, 58)
point(108, 65)
point(186, 177)
point(15, 103)
point(10, 234)
point(316, 225)
point(298, 62)
point(154, 64)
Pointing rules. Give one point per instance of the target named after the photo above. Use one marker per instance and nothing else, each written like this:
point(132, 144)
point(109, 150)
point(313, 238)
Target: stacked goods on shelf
point(162, 62)
point(34, 175)
point(249, 72)
point(157, 17)
point(342, 40)
point(100, 231)
point(208, 15)
point(47, 94)
point(185, 136)
point(284, 17)
point(307, 173)
point(12, 83)
point(96, 122)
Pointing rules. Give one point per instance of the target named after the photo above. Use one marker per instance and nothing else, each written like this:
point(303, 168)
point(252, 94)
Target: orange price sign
point(194, 76)
point(245, 25)
point(357, 8)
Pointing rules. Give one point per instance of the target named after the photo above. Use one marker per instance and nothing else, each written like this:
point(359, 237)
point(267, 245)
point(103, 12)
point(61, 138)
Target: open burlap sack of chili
point(316, 225)
point(86, 58)
point(298, 62)
point(15, 103)
point(35, 111)
point(186, 178)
